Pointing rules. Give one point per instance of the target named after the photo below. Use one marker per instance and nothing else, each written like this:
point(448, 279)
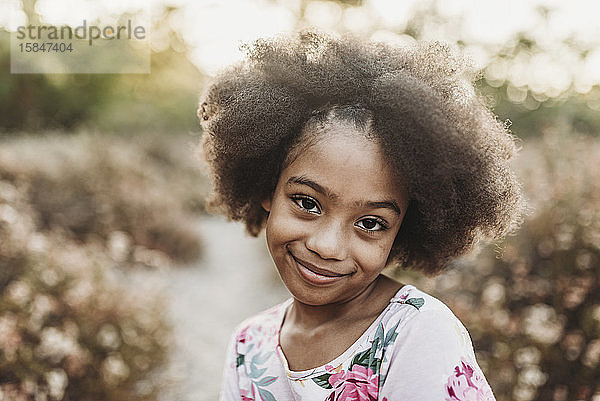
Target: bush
point(70, 326)
point(133, 196)
point(532, 303)
point(167, 99)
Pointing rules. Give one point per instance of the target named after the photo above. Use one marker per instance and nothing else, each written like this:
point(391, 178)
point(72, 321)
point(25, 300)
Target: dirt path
point(206, 301)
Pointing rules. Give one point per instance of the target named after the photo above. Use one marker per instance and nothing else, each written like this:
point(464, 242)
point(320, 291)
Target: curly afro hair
point(418, 101)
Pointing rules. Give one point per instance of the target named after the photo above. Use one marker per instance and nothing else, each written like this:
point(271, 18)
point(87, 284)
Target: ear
point(266, 204)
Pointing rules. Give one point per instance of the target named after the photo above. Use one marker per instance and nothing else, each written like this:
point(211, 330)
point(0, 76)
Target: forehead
point(348, 163)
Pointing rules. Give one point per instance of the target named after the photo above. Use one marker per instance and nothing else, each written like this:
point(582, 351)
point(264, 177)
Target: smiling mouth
point(316, 275)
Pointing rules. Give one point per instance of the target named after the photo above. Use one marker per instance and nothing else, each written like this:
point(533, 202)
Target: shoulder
point(412, 306)
point(423, 317)
point(418, 306)
point(252, 363)
point(422, 301)
point(433, 353)
point(262, 326)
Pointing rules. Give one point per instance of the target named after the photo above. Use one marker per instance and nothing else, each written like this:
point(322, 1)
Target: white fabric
point(415, 350)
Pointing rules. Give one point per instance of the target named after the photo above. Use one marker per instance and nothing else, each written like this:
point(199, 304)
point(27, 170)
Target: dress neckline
point(351, 350)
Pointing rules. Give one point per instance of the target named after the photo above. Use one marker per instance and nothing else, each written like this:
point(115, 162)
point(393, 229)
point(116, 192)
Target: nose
point(328, 240)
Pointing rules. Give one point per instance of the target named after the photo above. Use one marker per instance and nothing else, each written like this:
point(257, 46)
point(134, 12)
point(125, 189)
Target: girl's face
point(333, 218)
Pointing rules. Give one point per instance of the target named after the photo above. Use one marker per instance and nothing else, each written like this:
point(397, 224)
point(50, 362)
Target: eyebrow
point(386, 204)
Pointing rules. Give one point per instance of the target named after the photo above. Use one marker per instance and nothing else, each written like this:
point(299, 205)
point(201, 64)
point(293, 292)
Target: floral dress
point(416, 350)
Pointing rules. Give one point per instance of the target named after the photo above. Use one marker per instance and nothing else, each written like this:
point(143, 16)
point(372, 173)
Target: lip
point(314, 274)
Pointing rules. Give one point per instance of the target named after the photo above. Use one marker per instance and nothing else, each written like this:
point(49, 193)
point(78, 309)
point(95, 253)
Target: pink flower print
point(243, 335)
point(245, 395)
point(467, 384)
point(358, 384)
point(331, 369)
point(403, 297)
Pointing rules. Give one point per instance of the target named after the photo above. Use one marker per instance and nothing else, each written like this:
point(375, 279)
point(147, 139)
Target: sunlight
point(213, 30)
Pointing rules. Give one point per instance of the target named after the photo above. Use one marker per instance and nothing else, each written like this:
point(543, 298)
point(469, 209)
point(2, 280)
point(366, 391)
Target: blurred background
point(116, 285)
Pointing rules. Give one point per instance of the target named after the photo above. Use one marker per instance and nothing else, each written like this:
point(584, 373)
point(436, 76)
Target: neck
point(371, 301)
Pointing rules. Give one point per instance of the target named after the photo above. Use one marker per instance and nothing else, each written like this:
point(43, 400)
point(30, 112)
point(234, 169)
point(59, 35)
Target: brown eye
point(369, 224)
point(307, 203)
point(372, 224)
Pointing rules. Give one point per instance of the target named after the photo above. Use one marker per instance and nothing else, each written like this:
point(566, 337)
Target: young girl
point(356, 156)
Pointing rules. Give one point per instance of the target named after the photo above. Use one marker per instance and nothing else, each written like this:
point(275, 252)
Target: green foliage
point(530, 109)
point(36, 101)
point(532, 305)
point(165, 99)
point(536, 113)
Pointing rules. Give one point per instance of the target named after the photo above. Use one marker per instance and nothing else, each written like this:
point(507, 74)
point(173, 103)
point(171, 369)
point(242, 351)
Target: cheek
point(373, 257)
point(281, 227)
